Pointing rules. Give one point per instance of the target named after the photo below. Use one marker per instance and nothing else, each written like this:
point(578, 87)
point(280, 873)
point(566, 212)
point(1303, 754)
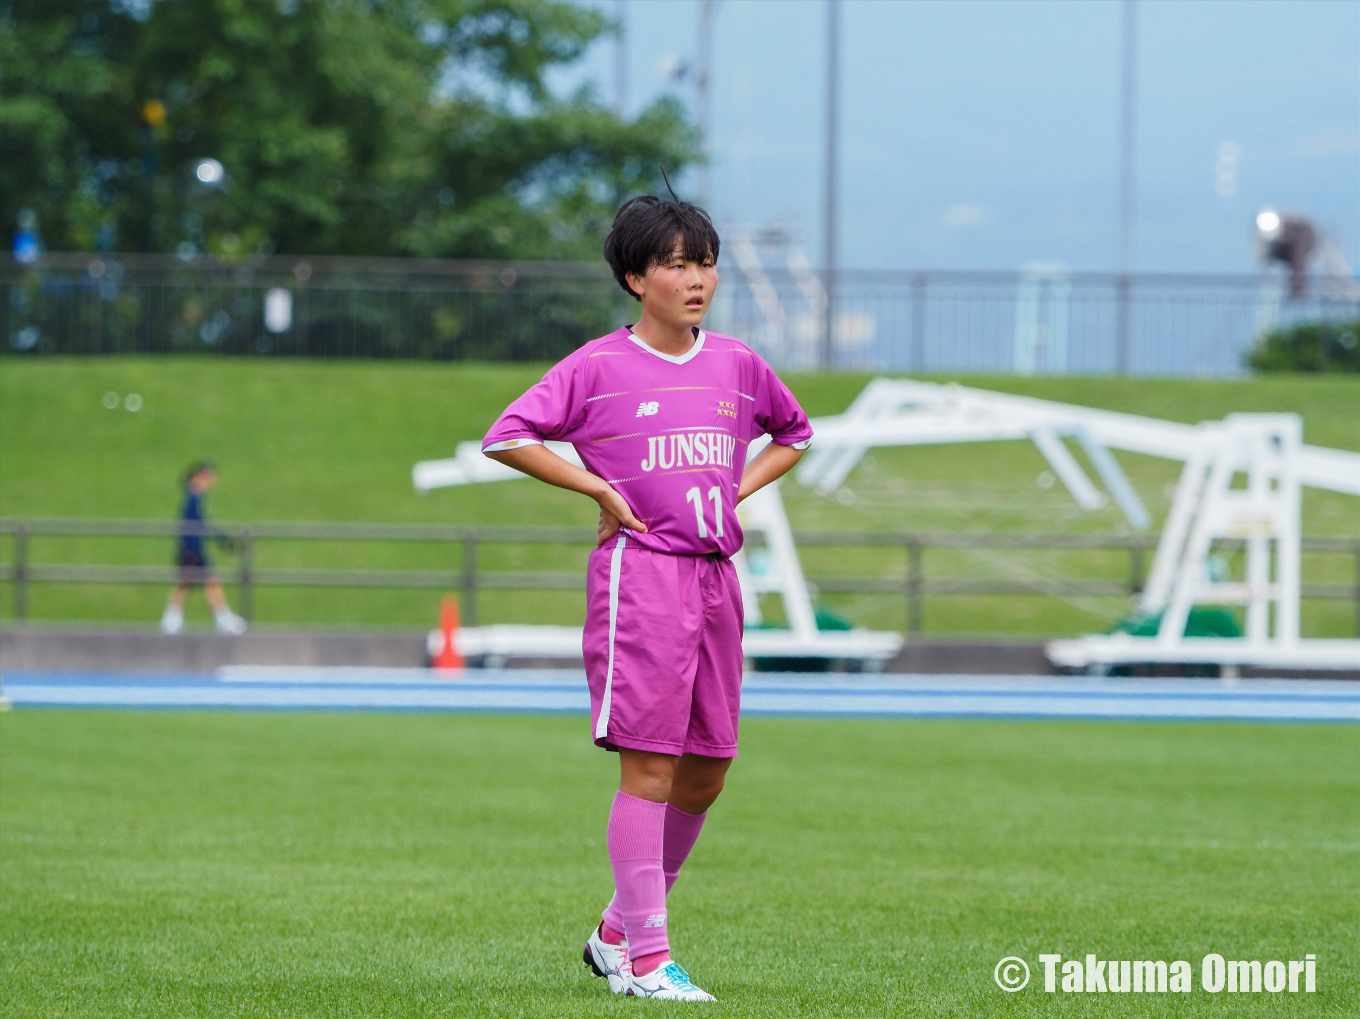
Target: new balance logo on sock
point(648, 409)
point(656, 920)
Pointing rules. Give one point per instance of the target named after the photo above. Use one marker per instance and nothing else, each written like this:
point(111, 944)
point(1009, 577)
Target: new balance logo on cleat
point(648, 409)
point(656, 920)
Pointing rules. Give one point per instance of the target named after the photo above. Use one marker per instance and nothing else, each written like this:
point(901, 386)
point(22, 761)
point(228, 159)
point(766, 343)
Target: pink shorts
point(663, 651)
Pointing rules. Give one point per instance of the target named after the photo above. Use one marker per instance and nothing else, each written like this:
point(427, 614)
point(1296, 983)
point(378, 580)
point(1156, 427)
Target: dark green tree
point(374, 127)
point(1330, 346)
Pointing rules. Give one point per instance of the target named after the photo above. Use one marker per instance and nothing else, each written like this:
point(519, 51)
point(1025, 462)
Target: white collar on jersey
point(687, 355)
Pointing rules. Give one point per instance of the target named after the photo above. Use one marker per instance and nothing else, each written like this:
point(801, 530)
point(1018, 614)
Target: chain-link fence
point(1042, 320)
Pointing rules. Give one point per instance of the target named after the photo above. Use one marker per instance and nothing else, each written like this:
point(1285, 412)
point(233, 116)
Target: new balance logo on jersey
point(656, 920)
point(648, 409)
point(694, 449)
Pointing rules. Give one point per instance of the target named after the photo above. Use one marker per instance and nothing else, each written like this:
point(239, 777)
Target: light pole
point(833, 27)
point(1127, 139)
point(702, 81)
point(621, 59)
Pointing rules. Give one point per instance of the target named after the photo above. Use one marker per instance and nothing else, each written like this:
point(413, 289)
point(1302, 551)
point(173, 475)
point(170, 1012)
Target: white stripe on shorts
point(615, 564)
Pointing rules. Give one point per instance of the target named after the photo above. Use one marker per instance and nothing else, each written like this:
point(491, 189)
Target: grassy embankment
point(311, 440)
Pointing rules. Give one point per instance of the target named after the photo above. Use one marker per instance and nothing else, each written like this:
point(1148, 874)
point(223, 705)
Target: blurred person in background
point(192, 558)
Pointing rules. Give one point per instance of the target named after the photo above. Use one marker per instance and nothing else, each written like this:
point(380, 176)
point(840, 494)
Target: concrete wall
point(112, 650)
point(129, 650)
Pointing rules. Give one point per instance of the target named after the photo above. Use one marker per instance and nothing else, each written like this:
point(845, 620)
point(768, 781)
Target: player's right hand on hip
point(614, 513)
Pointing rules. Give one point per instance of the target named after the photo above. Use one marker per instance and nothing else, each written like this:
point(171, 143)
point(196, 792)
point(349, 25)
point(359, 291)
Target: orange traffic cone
point(447, 656)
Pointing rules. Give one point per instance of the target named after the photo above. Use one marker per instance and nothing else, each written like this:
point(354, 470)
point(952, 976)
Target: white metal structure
point(773, 568)
point(1265, 448)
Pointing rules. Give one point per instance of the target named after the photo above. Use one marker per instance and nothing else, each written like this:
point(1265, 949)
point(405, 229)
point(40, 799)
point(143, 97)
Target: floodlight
point(209, 171)
point(673, 66)
point(1290, 239)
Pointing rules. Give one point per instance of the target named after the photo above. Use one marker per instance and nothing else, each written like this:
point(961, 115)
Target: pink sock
point(682, 830)
point(635, 837)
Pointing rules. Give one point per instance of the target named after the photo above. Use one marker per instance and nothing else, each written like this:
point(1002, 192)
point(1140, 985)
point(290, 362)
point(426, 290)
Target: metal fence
point(1042, 320)
point(913, 584)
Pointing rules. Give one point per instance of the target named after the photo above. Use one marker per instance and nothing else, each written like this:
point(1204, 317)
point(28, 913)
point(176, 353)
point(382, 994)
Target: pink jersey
point(668, 433)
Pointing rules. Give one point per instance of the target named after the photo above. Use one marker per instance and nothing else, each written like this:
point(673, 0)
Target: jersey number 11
point(715, 494)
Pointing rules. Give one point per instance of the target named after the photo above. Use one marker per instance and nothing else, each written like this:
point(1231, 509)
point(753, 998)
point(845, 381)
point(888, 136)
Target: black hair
point(645, 231)
point(195, 469)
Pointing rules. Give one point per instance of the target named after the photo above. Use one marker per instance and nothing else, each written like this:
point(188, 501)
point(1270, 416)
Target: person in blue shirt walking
point(192, 558)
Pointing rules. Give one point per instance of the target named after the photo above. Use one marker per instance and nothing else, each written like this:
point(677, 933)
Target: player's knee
point(648, 776)
point(713, 787)
point(698, 795)
point(654, 787)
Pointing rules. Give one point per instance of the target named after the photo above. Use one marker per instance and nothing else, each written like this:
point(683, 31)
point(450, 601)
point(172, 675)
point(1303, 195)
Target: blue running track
point(271, 688)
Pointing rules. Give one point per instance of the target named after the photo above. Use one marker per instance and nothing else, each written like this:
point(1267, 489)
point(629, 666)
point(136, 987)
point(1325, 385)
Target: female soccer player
point(661, 414)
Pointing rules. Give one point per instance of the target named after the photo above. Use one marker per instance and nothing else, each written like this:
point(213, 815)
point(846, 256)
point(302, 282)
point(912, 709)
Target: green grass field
point(250, 864)
point(330, 441)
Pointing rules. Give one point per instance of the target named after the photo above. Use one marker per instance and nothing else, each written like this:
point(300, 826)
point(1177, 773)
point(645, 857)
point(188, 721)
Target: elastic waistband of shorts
point(634, 546)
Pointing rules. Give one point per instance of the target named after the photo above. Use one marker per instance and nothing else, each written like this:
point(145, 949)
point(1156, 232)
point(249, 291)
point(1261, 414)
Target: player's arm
point(770, 464)
point(538, 461)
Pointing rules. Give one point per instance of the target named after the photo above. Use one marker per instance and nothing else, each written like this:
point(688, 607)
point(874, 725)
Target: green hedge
point(1309, 347)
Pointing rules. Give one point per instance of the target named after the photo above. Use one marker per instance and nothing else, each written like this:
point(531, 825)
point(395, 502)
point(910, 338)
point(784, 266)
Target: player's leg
point(710, 746)
point(639, 687)
point(217, 599)
point(637, 846)
point(651, 972)
point(636, 841)
point(172, 619)
point(646, 775)
point(227, 620)
point(697, 782)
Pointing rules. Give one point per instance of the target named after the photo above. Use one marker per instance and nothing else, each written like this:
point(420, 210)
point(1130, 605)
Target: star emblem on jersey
point(648, 408)
point(727, 409)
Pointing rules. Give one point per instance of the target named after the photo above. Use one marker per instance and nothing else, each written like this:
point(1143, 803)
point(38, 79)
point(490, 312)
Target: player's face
point(677, 291)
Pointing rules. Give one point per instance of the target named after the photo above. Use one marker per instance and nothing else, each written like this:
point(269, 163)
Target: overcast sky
point(985, 135)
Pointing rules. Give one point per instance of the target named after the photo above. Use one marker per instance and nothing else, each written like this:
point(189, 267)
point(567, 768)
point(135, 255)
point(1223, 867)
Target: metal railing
point(1043, 320)
point(912, 583)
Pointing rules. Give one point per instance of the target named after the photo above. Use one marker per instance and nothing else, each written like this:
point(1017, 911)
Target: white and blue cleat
point(605, 960)
point(669, 982)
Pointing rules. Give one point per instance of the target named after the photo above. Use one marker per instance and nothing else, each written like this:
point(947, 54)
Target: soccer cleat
point(172, 621)
point(668, 982)
point(606, 960)
point(230, 622)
